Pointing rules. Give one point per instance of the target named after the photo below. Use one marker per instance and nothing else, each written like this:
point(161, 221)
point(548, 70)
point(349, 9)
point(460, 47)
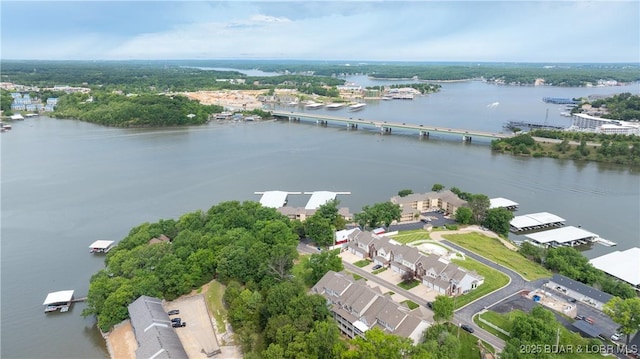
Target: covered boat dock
point(101, 246)
point(60, 300)
point(318, 198)
point(275, 199)
point(623, 265)
point(503, 203)
point(566, 236)
point(535, 221)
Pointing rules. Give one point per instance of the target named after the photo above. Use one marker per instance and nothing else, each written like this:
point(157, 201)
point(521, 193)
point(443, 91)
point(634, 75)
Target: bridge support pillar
point(385, 129)
point(424, 134)
point(352, 126)
point(466, 138)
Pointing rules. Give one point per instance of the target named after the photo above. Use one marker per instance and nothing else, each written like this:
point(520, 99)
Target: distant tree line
point(424, 88)
point(624, 106)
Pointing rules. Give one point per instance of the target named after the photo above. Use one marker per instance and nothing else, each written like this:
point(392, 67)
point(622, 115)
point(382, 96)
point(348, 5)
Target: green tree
point(404, 192)
point(625, 312)
point(320, 230)
point(330, 211)
point(437, 187)
point(380, 213)
point(479, 205)
point(377, 344)
point(440, 342)
point(464, 215)
point(498, 220)
point(443, 308)
point(323, 262)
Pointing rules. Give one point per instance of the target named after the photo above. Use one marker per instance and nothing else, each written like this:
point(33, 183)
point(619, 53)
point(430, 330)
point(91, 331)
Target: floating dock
point(623, 265)
point(58, 301)
point(535, 221)
point(567, 236)
point(101, 246)
point(503, 203)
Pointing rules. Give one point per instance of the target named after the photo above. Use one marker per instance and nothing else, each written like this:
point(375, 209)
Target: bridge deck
point(389, 125)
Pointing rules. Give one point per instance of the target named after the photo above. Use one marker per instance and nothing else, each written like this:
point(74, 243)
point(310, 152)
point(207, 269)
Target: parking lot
point(198, 336)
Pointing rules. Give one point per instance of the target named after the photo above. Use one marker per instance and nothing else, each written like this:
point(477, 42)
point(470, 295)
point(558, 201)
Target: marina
point(567, 236)
point(334, 106)
point(313, 105)
point(356, 107)
point(535, 221)
point(623, 265)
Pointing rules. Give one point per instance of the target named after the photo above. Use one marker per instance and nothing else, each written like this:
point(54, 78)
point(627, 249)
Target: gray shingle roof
point(581, 288)
point(152, 328)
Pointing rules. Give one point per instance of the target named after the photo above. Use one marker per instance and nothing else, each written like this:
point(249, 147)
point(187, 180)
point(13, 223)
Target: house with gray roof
point(156, 338)
point(356, 308)
point(578, 291)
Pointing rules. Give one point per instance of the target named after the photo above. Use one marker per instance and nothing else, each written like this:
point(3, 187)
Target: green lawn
point(379, 270)
point(488, 316)
point(567, 338)
point(493, 279)
point(362, 263)
point(214, 301)
point(494, 250)
point(405, 237)
point(406, 285)
point(412, 305)
point(468, 343)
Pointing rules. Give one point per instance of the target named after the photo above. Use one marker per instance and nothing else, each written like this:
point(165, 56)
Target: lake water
point(66, 183)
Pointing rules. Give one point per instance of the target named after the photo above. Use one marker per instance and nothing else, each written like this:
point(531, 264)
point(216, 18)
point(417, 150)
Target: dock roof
point(535, 219)
point(561, 235)
point(318, 198)
point(101, 244)
point(621, 264)
point(274, 199)
point(62, 296)
point(501, 202)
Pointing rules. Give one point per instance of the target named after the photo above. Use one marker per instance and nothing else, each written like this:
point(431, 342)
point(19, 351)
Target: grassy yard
point(493, 279)
point(567, 338)
point(494, 250)
point(214, 301)
point(379, 270)
point(490, 317)
point(412, 305)
point(361, 263)
point(406, 285)
point(405, 237)
point(468, 343)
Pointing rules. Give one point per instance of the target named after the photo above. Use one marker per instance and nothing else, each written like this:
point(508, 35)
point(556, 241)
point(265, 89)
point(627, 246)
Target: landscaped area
point(405, 237)
point(214, 301)
point(361, 263)
point(412, 305)
point(493, 279)
point(406, 285)
point(567, 338)
point(494, 250)
point(377, 271)
point(468, 343)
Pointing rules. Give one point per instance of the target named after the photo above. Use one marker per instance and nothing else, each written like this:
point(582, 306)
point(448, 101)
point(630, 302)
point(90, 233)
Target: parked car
point(173, 312)
point(377, 266)
point(573, 300)
point(578, 317)
point(467, 328)
point(176, 320)
point(179, 325)
point(589, 320)
point(430, 305)
point(616, 336)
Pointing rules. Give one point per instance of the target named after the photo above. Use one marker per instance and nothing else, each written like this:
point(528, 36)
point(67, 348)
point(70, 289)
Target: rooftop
point(274, 199)
point(501, 202)
point(561, 235)
point(621, 264)
point(535, 219)
point(101, 244)
point(62, 296)
point(581, 288)
point(318, 198)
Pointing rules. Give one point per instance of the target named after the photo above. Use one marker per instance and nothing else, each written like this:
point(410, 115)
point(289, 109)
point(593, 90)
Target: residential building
point(357, 308)
point(579, 291)
point(416, 203)
point(434, 271)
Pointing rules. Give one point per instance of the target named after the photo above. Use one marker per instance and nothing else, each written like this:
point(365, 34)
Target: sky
point(483, 31)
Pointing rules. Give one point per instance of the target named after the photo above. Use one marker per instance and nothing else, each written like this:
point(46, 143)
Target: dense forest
point(624, 107)
point(188, 74)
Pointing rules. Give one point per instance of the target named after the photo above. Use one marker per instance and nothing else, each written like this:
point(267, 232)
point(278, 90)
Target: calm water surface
point(67, 183)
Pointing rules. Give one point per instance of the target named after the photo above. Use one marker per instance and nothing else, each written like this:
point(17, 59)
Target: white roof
point(501, 202)
point(59, 297)
point(621, 264)
point(343, 234)
point(361, 326)
point(535, 219)
point(318, 198)
point(274, 199)
point(101, 244)
point(561, 235)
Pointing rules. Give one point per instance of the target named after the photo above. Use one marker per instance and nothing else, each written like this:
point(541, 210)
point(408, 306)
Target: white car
point(616, 336)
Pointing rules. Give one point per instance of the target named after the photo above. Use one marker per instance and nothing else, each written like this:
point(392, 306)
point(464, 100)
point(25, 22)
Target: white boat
point(294, 103)
point(334, 106)
point(386, 98)
point(357, 106)
point(313, 105)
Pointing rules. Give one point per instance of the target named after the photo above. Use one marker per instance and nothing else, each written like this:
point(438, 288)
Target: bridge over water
point(386, 126)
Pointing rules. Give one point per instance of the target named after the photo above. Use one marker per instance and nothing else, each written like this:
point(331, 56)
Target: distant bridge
point(386, 127)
